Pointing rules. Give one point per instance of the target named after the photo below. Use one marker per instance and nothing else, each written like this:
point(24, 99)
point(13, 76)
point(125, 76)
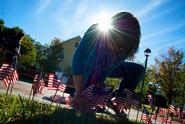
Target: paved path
point(24, 89)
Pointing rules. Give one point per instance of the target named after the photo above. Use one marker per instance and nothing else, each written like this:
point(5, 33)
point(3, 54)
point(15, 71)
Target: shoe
point(100, 109)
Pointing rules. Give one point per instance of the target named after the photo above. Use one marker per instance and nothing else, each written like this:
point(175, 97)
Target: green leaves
point(28, 55)
point(16, 108)
point(169, 72)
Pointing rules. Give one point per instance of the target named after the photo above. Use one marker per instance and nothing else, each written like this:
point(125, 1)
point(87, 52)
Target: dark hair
point(126, 32)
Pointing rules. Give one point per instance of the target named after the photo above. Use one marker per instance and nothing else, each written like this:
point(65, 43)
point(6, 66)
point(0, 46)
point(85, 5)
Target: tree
point(1, 41)
point(169, 72)
point(179, 91)
point(8, 36)
point(55, 55)
point(28, 54)
point(41, 55)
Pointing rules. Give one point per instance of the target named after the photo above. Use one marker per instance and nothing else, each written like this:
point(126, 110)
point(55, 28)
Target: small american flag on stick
point(162, 111)
point(8, 74)
point(166, 120)
point(95, 99)
point(145, 115)
point(172, 109)
point(54, 84)
point(38, 84)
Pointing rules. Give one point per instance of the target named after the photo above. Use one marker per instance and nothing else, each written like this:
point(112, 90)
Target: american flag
point(162, 111)
point(54, 84)
point(62, 87)
point(132, 98)
point(172, 109)
point(102, 102)
point(89, 96)
point(120, 103)
point(8, 74)
point(38, 84)
point(145, 115)
point(168, 120)
point(154, 116)
point(178, 113)
point(94, 99)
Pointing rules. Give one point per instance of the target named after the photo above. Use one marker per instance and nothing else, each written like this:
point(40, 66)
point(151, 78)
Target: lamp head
point(147, 52)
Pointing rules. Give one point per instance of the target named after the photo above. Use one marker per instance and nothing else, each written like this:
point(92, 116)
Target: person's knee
point(140, 71)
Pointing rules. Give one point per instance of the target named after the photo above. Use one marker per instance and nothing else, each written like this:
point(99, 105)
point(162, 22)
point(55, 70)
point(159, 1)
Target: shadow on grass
point(65, 116)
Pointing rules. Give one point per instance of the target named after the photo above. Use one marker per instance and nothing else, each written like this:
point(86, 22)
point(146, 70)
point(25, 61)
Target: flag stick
point(137, 114)
point(55, 93)
point(9, 83)
point(7, 89)
point(129, 112)
point(30, 94)
point(11, 89)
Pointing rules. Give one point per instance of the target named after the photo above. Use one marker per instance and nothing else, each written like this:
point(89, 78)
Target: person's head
point(125, 33)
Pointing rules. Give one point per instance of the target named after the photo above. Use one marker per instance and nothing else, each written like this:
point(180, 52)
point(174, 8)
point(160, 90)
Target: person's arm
point(78, 83)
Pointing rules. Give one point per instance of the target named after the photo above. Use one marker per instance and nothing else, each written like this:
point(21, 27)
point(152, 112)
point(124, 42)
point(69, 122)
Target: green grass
point(18, 110)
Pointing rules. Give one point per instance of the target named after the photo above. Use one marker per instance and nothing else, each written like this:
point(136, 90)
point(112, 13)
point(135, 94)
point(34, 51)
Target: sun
point(103, 20)
point(105, 25)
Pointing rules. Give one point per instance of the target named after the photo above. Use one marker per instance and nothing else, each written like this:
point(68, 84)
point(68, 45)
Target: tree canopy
point(28, 54)
point(169, 73)
point(54, 56)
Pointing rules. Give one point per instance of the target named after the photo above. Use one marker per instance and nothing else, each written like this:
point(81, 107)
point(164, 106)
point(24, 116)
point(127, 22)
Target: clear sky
point(162, 21)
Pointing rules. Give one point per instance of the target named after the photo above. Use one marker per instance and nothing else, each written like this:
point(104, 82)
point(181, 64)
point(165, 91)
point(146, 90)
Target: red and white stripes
point(8, 74)
point(54, 84)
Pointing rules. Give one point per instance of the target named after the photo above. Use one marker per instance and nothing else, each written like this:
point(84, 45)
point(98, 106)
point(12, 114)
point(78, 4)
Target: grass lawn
point(15, 109)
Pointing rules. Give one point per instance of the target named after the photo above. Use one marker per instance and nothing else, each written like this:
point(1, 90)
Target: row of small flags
point(10, 76)
point(176, 112)
point(165, 118)
point(120, 103)
point(145, 116)
point(124, 103)
point(53, 84)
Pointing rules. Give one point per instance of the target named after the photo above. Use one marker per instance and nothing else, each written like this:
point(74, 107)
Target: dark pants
point(131, 73)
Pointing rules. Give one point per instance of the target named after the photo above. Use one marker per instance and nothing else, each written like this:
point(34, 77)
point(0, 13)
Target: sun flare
point(103, 20)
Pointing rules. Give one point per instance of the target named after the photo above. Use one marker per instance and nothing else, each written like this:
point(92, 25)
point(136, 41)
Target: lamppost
point(147, 54)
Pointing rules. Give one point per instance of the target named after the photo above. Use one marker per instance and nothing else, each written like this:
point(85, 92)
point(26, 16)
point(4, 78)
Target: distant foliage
point(170, 74)
point(28, 54)
point(7, 37)
point(54, 55)
point(113, 82)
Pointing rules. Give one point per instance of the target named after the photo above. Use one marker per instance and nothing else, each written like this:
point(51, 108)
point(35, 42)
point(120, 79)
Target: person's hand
point(80, 104)
point(76, 101)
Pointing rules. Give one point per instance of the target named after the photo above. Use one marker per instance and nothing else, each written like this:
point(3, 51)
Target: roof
point(77, 37)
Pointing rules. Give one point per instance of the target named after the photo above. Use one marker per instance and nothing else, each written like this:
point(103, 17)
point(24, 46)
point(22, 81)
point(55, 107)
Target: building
point(69, 49)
